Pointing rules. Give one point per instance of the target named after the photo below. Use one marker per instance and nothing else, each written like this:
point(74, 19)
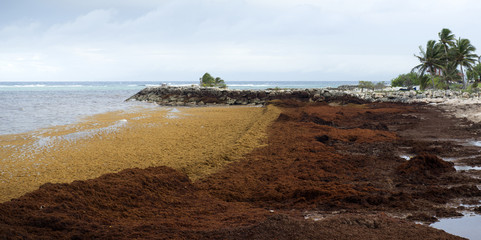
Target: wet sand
point(324, 171)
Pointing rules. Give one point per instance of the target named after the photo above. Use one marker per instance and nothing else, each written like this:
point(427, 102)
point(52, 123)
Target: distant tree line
point(444, 64)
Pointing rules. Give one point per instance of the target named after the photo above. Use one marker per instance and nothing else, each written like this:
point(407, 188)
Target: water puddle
point(174, 110)
point(475, 143)
point(463, 167)
point(467, 226)
point(407, 157)
point(173, 113)
point(467, 168)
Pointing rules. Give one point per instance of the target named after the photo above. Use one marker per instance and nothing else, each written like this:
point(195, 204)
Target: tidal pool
point(467, 226)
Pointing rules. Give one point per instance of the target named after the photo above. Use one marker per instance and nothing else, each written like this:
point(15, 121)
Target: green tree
point(474, 73)
point(446, 39)
point(464, 57)
point(219, 82)
point(451, 73)
point(406, 80)
point(208, 81)
point(431, 59)
point(411, 79)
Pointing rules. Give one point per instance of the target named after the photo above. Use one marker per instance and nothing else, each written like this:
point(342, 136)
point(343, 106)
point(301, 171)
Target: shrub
point(366, 84)
point(473, 87)
point(406, 80)
point(440, 83)
point(380, 85)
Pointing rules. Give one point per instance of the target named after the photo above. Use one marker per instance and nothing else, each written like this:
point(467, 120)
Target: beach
point(233, 120)
point(341, 168)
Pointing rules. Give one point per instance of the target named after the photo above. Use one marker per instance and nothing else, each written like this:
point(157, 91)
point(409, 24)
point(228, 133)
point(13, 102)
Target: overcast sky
point(163, 40)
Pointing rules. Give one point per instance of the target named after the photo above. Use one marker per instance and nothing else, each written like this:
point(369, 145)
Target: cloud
point(184, 38)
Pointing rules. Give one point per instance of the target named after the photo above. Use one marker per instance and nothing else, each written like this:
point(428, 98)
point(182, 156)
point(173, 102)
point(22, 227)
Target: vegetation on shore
point(447, 63)
point(370, 85)
point(208, 81)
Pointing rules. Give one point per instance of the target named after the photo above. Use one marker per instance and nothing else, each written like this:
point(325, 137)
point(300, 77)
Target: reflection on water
point(467, 226)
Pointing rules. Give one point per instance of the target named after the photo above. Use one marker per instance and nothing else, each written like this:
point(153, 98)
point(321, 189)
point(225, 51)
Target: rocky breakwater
point(196, 96)
point(428, 96)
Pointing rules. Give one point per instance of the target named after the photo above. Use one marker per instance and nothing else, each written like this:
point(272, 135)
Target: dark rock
point(188, 95)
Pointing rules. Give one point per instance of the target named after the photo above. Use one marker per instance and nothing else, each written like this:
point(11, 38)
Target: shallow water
point(467, 226)
point(24, 111)
point(27, 106)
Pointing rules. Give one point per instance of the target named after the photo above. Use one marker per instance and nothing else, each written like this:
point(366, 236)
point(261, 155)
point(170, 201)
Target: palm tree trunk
point(462, 75)
point(447, 62)
point(432, 71)
point(432, 80)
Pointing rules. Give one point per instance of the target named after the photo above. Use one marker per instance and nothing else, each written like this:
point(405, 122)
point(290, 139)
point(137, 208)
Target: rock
point(195, 95)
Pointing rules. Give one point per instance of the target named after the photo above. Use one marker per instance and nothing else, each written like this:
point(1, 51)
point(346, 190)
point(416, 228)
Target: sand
point(196, 141)
point(463, 108)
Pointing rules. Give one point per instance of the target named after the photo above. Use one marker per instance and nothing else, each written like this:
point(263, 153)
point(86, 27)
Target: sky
point(237, 40)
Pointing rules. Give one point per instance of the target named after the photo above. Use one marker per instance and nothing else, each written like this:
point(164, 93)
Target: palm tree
point(463, 55)
point(446, 38)
point(451, 73)
point(219, 82)
point(474, 73)
point(431, 59)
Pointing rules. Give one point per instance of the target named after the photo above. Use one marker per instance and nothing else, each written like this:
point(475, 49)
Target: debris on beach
point(324, 170)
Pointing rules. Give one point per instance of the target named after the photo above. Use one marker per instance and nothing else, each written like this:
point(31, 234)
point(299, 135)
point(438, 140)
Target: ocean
point(28, 106)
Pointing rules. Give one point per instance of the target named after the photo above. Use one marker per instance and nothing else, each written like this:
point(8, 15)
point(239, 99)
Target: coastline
point(326, 167)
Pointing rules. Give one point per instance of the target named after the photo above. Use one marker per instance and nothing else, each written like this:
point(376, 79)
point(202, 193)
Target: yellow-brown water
point(197, 141)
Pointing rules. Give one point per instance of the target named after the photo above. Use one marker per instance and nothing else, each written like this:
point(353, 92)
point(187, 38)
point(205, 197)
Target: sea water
point(27, 106)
